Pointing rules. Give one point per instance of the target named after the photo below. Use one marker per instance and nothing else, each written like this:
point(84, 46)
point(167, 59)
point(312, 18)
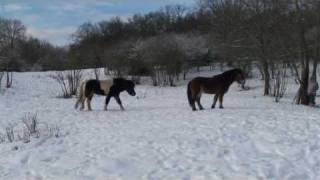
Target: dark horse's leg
point(107, 101)
point(82, 103)
point(221, 101)
point(119, 101)
point(198, 101)
point(89, 101)
point(214, 101)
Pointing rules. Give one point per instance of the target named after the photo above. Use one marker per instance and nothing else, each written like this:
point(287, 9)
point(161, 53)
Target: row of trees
point(162, 44)
point(19, 52)
point(272, 35)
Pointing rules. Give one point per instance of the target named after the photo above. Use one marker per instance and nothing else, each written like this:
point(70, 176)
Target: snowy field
point(159, 137)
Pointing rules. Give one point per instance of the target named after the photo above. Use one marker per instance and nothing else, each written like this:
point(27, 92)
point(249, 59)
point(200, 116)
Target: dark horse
point(217, 85)
point(109, 88)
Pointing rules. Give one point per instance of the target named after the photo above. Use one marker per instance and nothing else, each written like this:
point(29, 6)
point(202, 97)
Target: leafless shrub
point(55, 131)
point(97, 73)
point(25, 136)
point(31, 122)
point(9, 133)
point(74, 80)
point(1, 77)
point(61, 79)
point(2, 138)
point(29, 128)
point(69, 81)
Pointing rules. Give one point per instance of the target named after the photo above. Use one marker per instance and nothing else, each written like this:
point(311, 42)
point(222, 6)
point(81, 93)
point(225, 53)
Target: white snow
point(159, 137)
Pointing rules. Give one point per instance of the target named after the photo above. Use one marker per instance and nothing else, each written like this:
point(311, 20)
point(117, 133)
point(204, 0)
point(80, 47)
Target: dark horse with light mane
point(109, 88)
point(217, 85)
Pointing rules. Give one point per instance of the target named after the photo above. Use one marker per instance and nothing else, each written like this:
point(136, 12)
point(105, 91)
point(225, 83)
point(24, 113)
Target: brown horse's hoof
point(221, 107)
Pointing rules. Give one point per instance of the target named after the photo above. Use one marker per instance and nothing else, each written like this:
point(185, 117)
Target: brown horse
point(217, 85)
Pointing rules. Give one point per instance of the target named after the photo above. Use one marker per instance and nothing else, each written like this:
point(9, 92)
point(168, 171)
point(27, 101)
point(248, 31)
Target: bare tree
point(280, 82)
point(12, 32)
point(302, 25)
point(1, 72)
point(97, 73)
point(166, 59)
point(195, 48)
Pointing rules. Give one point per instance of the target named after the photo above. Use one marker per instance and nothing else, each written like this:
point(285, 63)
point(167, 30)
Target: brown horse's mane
point(229, 72)
point(228, 75)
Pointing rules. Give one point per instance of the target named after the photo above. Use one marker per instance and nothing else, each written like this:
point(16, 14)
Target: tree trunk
point(198, 68)
point(314, 70)
point(171, 80)
point(9, 76)
point(305, 59)
point(96, 73)
point(266, 73)
point(303, 90)
point(261, 72)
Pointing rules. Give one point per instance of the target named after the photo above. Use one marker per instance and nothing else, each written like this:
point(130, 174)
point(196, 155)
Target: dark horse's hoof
point(221, 107)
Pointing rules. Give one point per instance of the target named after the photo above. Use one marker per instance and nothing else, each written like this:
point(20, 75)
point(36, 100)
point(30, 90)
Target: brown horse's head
point(240, 76)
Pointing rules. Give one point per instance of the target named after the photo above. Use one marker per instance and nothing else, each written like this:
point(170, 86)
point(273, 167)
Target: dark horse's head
point(126, 85)
point(239, 76)
point(130, 88)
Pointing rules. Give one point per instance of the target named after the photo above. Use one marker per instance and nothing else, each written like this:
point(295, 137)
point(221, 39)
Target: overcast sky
point(56, 20)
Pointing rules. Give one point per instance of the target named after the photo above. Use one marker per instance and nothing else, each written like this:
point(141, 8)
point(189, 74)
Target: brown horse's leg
point(193, 106)
point(89, 101)
point(192, 94)
point(221, 101)
point(193, 103)
point(198, 101)
point(214, 101)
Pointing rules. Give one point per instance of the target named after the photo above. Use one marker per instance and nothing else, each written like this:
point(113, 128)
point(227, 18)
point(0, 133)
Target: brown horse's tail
point(81, 96)
point(189, 93)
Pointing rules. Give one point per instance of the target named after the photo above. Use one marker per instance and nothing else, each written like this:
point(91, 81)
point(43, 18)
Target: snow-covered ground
point(159, 137)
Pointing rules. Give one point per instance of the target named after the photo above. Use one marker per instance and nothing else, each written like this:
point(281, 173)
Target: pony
point(217, 85)
point(109, 88)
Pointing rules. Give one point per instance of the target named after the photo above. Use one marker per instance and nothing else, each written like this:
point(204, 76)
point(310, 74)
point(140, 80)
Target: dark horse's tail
point(189, 93)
